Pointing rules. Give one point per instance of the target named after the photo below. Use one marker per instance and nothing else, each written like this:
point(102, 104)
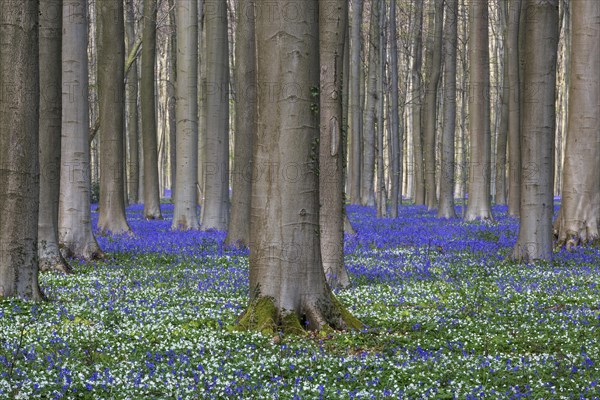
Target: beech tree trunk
point(288, 290)
point(111, 93)
point(148, 110)
point(332, 26)
point(367, 192)
point(479, 205)
point(537, 138)
point(355, 131)
point(514, 107)
point(19, 161)
point(238, 232)
point(446, 201)
point(418, 175)
point(396, 134)
point(131, 109)
point(433, 63)
point(74, 215)
point(186, 202)
point(50, 52)
point(579, 218)
point(381, 202)
point(215, 211)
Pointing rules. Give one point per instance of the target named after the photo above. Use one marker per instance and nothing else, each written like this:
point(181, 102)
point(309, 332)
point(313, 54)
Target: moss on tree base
point(324, 315)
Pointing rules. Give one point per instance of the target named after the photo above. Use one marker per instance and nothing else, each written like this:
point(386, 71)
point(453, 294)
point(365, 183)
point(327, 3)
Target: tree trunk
point(186, 202)
point(215, 212)
point(396, 139)
point(238, 232)
point(579, 218)
point(514, 107)
point(479, 206)
point(368, 171)
point(132, 109)
point(381, 202)
point(287, 283)
point(74, 216)
point(19, 162)
point(50, 114)
point(446, 201)
point(418, 176)
point(332, 26)
point(111, 93)
point(355, 131)
point(537, 138)
point(171, 61)
point(502, 138)
point(433, 61)
point(148, 109)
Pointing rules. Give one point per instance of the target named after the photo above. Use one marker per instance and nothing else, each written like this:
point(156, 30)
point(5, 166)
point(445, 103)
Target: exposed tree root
point(322, 315)
point(54, 262)
point(576, 233)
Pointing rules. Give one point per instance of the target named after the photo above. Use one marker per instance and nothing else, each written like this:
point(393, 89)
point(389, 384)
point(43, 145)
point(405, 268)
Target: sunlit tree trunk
point(537, 138)
point(238, 232)
point(417, 50)
point(514, 107)
point(186, 202)
point(74, 216)
point(355, 131)
point(111, 93)
point(433, 61)
point(288, 290)
point(446, 201)
point(148, 110)
point(367, 192)
point(479, 206)
point(19, 161)
point(215, 210)
point(579, 218)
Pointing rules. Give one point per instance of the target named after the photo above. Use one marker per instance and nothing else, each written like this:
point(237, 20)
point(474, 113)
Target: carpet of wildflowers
point(447, 317)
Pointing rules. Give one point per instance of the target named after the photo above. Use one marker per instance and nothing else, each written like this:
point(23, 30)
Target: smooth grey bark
point(215, 210)
point(186, 202)
point(395, 132)
point(201, 101)
point(332, 27)
point(50, 53)
point(172, 70)
point(355, 131)
point(110, 41)
point(19, 160)
point(287, 282)
point(433, 63)
point(367, 192)
point(479, 205)
point(537, 139)
point(446, 200)
point(74, 215)
point(579, 217)
point(148, 111)
point(417, 51)
point(381, 202)
point(238, 232)
point(514, 107)
point(131, 109)
point(502, 136)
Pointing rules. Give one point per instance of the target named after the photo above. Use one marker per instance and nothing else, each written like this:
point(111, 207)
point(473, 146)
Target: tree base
point(325, 315)
point(54, 263)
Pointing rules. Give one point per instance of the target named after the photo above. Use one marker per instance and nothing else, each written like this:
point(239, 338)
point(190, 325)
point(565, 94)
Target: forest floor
point(446, 314)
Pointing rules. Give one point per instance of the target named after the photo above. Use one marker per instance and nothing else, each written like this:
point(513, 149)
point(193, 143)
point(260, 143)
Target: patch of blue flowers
point(447, 316)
